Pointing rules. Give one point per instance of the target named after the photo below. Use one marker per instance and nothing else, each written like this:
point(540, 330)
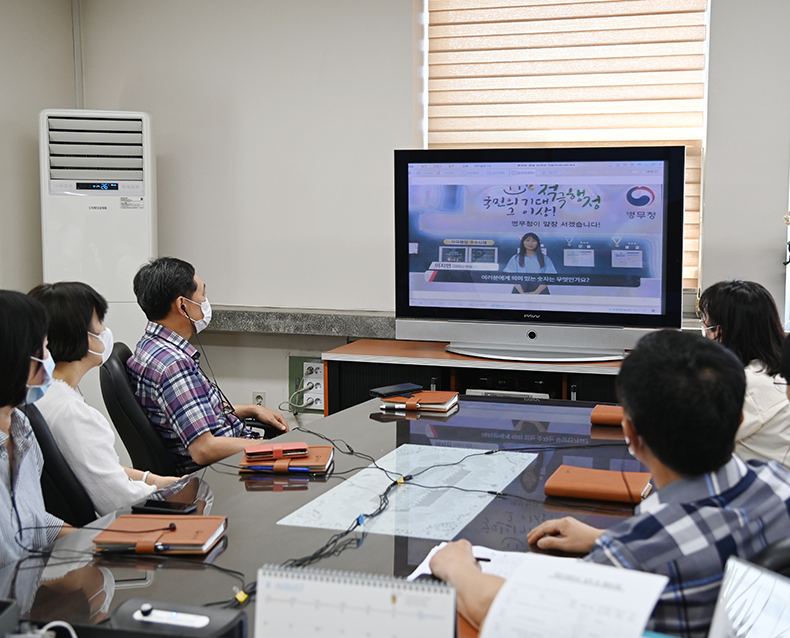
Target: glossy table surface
point(559, 432)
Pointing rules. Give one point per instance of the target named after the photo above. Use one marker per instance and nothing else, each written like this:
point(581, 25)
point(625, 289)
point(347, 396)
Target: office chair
point(775, 557)
point(146, 448)
point(64, 495)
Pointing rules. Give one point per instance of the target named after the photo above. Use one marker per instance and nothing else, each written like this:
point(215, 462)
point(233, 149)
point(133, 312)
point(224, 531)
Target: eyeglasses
point(705, 328)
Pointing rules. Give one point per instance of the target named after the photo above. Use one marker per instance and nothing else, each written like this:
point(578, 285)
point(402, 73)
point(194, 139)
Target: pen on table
point(482, 560)
point(396, 406)
point(130, 549)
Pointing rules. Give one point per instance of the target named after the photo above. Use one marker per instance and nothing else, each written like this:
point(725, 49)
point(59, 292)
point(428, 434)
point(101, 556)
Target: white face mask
point(201, 324)
point(105, 336)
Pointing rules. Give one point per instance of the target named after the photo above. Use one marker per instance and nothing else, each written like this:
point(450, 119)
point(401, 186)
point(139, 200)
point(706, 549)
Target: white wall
point(36, 72)
point(747, 155)
point(275, 124)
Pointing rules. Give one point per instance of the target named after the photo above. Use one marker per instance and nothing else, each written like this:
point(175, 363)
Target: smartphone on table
point(154, 506)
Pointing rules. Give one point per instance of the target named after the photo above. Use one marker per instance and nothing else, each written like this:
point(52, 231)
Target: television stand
point(536, 355)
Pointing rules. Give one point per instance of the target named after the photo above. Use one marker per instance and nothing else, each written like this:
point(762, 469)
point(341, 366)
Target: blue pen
point(263, 468)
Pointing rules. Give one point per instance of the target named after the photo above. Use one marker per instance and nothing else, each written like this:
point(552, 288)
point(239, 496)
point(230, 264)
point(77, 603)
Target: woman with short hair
point(79, 341)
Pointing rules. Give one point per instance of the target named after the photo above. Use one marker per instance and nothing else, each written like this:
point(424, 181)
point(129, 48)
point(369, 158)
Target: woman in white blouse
point(79, 341)
point(742, 315)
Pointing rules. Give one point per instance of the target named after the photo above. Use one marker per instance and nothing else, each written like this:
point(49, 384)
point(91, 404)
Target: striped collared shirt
point(689, 528)
point(26, 525)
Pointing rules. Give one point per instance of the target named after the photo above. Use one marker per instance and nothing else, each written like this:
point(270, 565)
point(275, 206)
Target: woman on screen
point(530, 259)
point(742, 315)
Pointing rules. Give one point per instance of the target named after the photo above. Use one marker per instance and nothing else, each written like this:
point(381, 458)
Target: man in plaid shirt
point(197, 423)
point(683, 397)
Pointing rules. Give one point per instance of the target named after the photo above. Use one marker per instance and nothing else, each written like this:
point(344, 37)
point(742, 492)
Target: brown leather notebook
point(607, 415)
point(430, 400)
point(276, 450)
point(318, 460)
point(152, 534)
point(597, 485)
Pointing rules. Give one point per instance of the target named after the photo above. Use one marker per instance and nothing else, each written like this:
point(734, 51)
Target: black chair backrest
point(775, 557)
point(64, 495)
point(146, 448)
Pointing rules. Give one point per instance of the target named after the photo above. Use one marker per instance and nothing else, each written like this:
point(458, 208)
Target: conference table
point(556, 432)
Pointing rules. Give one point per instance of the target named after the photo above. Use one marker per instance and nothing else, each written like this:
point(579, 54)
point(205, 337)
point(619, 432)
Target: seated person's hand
point(265, 415)
point(161, 481)
point(451, 557)
point(564, 534)
point(475, 590)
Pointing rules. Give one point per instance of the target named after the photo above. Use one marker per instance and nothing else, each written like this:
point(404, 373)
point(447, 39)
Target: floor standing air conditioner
point(98, 206)
point(98, 198)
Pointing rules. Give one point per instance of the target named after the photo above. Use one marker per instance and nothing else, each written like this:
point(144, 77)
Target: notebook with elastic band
point(598, 485)
point(318, 460)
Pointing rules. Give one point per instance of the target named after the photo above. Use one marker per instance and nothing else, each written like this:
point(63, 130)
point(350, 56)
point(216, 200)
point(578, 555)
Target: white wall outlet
point(313, 382)
point(259, 398)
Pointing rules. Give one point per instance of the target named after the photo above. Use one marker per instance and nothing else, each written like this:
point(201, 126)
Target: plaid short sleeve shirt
point(688, 530)
point(179, 399)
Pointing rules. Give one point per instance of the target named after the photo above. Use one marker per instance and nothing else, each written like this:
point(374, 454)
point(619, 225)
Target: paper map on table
point(414, 511)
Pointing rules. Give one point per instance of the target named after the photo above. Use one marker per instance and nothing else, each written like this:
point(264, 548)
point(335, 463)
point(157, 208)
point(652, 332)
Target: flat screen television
point(538, 254)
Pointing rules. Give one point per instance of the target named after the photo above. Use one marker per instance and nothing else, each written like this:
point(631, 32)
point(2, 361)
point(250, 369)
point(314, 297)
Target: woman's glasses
point(705, 328)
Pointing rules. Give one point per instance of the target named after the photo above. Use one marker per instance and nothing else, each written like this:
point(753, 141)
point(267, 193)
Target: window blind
point(532, 73)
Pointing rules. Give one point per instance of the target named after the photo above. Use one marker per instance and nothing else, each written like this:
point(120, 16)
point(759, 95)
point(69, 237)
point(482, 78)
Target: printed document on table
point(434, 505)
point(552, 597)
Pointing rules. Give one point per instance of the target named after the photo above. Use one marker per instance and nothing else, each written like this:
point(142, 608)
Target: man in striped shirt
point(197, 423)
point(683, 398)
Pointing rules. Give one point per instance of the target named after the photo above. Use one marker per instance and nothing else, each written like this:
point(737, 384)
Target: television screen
point(588, 236)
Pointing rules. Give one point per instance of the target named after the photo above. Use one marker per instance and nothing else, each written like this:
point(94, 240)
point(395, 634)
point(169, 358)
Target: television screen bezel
point(672, 261)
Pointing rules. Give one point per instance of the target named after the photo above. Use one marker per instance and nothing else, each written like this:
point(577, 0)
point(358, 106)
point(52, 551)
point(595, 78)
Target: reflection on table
point(73, 584)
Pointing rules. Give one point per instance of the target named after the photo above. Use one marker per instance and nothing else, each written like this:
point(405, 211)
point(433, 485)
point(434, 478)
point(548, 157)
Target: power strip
point(313, 381)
